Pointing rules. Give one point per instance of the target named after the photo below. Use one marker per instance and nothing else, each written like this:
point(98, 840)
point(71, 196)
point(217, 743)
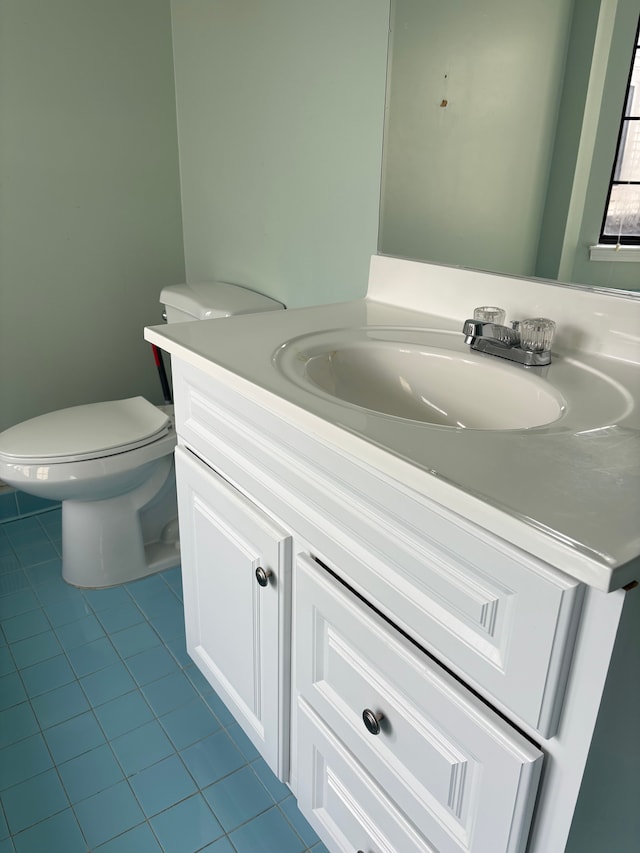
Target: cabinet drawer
point(464, 777)
point(348, 809)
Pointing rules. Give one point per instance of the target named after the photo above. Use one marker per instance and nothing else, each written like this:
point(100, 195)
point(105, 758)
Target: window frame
point(625, 119)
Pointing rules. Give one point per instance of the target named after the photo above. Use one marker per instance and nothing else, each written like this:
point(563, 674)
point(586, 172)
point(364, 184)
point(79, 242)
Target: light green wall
point(89, 205)
point(280, 119)
point(465, 183)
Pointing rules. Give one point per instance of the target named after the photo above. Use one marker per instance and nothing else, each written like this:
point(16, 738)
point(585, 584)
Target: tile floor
point(110, 739)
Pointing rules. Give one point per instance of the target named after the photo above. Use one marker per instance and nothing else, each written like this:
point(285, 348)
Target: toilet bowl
point(111, 464)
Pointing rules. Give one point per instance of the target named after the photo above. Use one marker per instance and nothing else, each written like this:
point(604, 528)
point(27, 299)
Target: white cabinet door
point(427, 748)
point(237, 629)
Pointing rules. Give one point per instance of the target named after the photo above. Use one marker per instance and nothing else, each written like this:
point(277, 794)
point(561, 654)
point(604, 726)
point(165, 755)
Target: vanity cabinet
point(487, 665)
point(236, 584)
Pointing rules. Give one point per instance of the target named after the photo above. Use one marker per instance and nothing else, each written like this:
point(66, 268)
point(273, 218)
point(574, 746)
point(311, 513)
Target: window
point(621, 224)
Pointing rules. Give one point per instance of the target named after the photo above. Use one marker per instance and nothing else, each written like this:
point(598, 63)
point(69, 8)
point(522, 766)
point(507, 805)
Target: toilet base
point(113, 541)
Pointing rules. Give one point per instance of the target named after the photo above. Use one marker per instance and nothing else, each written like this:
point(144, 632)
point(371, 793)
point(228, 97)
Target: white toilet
point(111, 464)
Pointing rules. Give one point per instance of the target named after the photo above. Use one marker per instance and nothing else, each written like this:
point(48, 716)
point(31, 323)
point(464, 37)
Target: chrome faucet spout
point(530, 350)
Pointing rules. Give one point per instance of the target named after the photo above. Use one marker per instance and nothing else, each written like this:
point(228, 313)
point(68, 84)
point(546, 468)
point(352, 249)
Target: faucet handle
point(536, 334)
point(489, 314)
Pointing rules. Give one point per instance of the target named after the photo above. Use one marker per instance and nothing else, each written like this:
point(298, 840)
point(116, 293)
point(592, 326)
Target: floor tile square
point(293, 814)
point(12, 582)
point(178, 647)
point(219, 708)
point(47, 675)
point(11, 691)
point(190, 723)
point(8, 505)
point(173, 578)
point(123, 616)
point(104, 599)
point(52, 519)
point(243, 742)
point(67, 611)
point(43, 571)
point(198, 680)
point(210, 759)
point(23, 529)
point(4, 829)
point(79, 632)
point(90, 773)
point(73, 737)
point(135, 639)
point(268, 833)
point(106, 684)
point(169, 692)
point(142, 747)
point(22, 760)
point(162, 785)
point(59, 705)
point(151, 665)
point(25, 625)
point(57, 834)
point(123, 714)
point(92, 657)
point(7, 664)
point(8, 561)
point(147, 589)
point(140, 839)
point(34, 800)
point(17, 723)
point(18, 602)
point(107, 814)
point(278, 790)
point(187, 827)
point(35, 649)
point(168, 622)
point(38, 552)
point(57, 592)
point(238, 798)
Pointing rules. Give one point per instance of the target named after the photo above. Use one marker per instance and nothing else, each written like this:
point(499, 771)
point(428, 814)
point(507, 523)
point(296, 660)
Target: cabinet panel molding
point(236, 629)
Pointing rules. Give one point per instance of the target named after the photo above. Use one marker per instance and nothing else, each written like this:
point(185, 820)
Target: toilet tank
point(212, 299)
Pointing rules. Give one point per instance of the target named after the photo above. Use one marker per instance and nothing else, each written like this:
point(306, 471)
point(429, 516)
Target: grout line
point(145, 608)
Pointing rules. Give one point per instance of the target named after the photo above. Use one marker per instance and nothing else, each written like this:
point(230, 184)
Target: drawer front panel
point(347, 808)
point(502, 620)
point(462, 775)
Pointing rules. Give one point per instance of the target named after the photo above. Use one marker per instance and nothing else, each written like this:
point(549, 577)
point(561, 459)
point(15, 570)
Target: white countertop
point(566, 493)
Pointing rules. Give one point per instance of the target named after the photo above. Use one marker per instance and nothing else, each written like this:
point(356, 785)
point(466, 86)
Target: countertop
point(568, 494)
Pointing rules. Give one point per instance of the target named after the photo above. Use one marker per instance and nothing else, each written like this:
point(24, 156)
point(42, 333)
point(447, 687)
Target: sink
point(420, 375)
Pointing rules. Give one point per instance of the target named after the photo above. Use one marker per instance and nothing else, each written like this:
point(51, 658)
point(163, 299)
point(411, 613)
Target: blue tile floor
point(110, 738)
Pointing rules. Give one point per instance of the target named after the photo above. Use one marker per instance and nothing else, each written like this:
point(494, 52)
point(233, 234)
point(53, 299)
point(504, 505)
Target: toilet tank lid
point(206, 300)
point(85, 432)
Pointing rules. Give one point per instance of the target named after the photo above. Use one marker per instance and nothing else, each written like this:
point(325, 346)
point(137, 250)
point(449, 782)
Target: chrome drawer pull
point(372, 721)
point(263, 575)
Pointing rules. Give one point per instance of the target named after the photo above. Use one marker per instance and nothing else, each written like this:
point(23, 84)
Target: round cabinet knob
point(372, 721)
point(263, 575)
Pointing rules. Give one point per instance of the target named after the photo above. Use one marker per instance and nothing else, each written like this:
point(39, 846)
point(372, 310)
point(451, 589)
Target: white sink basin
point(420, 375)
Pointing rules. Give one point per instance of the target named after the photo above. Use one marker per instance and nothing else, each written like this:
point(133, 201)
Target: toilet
point(111, 464)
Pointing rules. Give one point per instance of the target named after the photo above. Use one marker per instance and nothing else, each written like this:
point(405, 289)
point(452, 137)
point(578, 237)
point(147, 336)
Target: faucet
point(527, 342)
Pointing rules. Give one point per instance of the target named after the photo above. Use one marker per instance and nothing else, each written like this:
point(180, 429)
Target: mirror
point(501, 125)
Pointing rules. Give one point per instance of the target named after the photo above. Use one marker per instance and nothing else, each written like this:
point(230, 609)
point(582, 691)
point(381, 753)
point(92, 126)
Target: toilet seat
point(85, 432)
